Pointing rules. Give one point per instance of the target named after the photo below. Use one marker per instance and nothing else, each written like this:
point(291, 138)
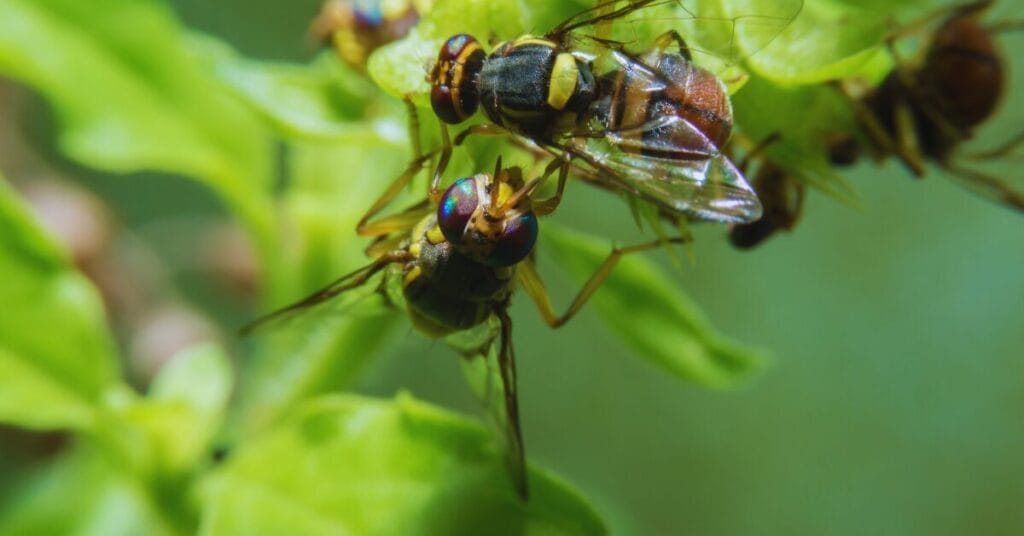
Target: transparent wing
point(666, 159)
point(489, 367)
point(710, 189)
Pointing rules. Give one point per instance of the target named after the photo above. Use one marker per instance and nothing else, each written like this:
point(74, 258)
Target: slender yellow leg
point(533, 285)
point(442, 164)
point(414, 127)
point(544, 207)
point(344, 283)
point(399, 221)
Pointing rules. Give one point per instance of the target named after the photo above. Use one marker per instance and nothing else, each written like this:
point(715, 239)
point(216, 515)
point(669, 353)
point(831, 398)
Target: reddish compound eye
point(453, 79)
point(516, 242)
point(456, 208)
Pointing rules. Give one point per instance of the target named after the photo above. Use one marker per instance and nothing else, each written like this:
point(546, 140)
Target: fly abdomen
point(688, 92)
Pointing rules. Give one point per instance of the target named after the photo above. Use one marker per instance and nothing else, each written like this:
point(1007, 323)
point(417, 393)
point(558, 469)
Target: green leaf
point(131, 96)
point(184, 408)
point(56, 356)
point(651, 314)
point(352, 465)
point(324, 100)
point(806, 118)
point(827, 40)
point(82, 492)
point(325, 348)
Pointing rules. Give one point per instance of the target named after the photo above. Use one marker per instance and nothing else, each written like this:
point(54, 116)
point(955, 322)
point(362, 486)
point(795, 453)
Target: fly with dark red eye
point(651, 126)
point(458, 264)
point(925, 109)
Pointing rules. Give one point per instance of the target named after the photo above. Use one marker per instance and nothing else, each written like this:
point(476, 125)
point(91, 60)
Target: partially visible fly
point(925, 109)
point(355, 28)
point(781, 193)
point(653, 125)
point(458, 264)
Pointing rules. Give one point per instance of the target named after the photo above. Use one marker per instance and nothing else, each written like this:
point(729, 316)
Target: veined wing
point(709, 189)
point(488, 363)
point(649, 147)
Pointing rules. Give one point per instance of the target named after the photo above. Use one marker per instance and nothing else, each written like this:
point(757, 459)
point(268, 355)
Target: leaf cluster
point(133, 90)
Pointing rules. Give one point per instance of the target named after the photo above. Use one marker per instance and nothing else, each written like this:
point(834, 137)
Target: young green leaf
point(83, 492)
point(322, 349)
point(647, 309)
point(56, 356)
point(184, 408)
point(352, 465)
point(130, 96)
point(826, 40)
point(805, 118)
point(325, 100)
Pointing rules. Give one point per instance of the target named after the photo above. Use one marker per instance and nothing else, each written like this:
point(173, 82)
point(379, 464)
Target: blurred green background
point(895, 403)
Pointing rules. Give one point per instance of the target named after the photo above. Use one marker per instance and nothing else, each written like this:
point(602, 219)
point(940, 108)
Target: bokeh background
point(894, 403)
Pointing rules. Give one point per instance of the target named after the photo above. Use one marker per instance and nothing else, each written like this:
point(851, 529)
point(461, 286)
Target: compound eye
point(457, 206)
point(453, 92)
point(516, 242)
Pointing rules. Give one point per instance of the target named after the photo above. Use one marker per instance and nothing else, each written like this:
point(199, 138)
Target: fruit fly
point(355, 28)
point(781, 193)
point(924, 110)
point(652, 126)
point(458, 263)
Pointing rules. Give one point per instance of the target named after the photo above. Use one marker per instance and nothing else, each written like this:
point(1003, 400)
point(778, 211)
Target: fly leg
point(446, 152)
point(534, 286)
point(544, 207)
point(902, 142)
point(756, 151)
point(983, 184)
point(442, 164)
point(514, 432)
point(414, 127)
point(998, 152)
point(344, 283)
point(667, 39)
point(397, 222)
point(987, 186)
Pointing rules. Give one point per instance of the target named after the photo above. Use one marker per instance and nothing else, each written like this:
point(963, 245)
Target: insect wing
point(488, 363)
point(663, 157)
point(710, 189)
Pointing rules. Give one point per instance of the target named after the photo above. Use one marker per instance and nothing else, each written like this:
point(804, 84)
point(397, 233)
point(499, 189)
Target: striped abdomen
point(691, 93)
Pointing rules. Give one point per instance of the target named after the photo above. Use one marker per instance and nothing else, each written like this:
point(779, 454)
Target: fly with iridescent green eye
point(652, 125)
point(457, 264)
point(355, 28)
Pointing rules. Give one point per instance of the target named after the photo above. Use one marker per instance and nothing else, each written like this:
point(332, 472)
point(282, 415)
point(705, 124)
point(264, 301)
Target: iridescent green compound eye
point(456, 208)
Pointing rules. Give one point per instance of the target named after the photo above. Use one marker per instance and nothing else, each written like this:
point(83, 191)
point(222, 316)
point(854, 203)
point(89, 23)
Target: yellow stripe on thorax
point(533, 40)
point(563, 80)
